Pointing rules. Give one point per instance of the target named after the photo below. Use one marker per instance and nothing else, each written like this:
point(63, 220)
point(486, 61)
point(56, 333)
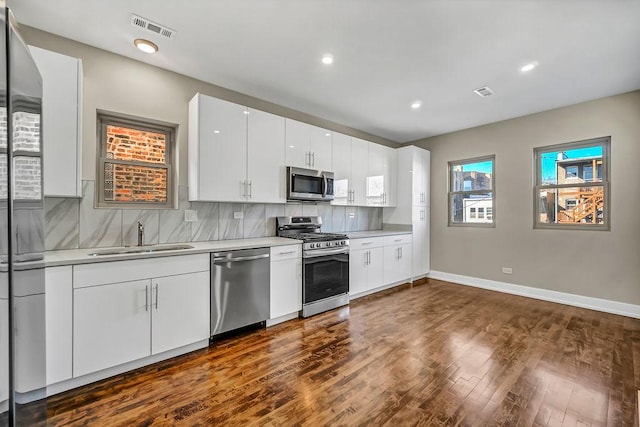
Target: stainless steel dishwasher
point(239, 289)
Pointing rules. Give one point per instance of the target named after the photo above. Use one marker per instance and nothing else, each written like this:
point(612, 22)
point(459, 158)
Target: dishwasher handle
point(223, 260)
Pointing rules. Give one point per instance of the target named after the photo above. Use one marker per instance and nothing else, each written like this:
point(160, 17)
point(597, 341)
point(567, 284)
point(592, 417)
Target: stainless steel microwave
point(309, 185)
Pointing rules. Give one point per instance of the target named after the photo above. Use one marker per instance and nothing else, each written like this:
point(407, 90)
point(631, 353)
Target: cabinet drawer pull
point(367, 243)
point(287, 252)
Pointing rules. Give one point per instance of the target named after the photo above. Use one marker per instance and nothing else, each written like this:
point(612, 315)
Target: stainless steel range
point(325, 258)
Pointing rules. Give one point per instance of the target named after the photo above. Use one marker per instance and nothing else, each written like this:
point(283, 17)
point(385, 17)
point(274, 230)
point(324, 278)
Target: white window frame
point(452, 194)
point(605, 142)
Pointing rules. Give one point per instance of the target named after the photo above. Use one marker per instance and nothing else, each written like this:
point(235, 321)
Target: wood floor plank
point(429, 354)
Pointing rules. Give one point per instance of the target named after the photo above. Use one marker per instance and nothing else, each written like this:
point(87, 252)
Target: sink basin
point(140, 249)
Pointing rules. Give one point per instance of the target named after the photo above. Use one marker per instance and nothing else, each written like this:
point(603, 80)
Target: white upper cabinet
point(235, 153)
point(320, 148)
point(307, 146)
point(381, 176)
point(421, 162)
point(342, 184)
point(359, 170)
point(266, 174)
point(61, 122)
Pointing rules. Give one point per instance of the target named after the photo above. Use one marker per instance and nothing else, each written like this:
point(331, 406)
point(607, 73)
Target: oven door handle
point(316, 254)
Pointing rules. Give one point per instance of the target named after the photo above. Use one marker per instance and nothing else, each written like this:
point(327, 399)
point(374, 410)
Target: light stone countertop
point(81, 256)
point(375, 233)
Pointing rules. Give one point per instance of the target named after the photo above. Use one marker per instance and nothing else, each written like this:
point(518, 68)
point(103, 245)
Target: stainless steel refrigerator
point(22, 286)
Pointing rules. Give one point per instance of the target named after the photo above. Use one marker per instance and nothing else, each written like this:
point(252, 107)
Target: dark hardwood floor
point(432, 354)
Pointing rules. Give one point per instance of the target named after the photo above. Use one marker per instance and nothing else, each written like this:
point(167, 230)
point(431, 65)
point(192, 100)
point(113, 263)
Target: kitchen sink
point(140, 249)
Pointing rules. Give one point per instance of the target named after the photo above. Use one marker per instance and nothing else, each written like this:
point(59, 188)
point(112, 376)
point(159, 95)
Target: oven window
point(307, 184)
point(325, 277)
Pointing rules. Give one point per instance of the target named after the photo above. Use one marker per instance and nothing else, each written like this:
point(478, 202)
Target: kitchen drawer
point(398, 239)
point(125, 271)
point(281, 253)
point(366, 243)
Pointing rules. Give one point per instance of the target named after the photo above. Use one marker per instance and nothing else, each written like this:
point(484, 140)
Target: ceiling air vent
point(484, 91)
point(161, 30)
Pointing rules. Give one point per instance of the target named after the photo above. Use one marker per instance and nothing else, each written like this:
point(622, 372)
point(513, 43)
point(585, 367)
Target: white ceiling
point(387, 53)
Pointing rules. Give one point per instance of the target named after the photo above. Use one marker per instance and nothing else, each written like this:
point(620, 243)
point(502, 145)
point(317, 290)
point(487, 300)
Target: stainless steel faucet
point(140, 233)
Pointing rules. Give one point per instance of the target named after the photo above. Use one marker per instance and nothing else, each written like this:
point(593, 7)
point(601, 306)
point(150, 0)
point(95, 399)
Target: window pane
point(573, 205)
point(136, 145)
point(26, 132)
point(571, 166)
point(472, 176)
point(132, 183)
point(470, 208)
point(26, 178)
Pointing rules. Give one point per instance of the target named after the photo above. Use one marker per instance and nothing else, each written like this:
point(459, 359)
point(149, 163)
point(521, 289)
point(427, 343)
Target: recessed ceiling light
point(327, 59)
point(416, 104)
point(327, 134)
point(146, 46)
point(216, 131)
point(246, 112)
point(528, 67)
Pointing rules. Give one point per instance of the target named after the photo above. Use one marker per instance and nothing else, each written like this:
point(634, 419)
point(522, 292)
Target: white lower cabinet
point(59, 316)
point(111, 325)
point(397, 258)
point(179, 310)
point(365, 270)
point(286, 280)
point(118, 322)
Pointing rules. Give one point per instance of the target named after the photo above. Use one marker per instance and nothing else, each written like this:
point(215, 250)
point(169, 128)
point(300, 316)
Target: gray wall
point(119, 84)
point(601, 264)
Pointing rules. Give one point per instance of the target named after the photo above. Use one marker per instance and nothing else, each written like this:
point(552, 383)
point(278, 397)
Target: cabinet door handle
point(307, 158)
point(313, 157)
point(250, 189)
point(243, 189)
point(156, 296)
point(422, 216)
point(369, 257)
point(400, 253)
point(146, 297)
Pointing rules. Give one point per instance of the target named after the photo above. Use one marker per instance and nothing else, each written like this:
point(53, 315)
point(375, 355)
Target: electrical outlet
point(352, 215)
point(238, 215)
point(190, 215)
point(507, 270)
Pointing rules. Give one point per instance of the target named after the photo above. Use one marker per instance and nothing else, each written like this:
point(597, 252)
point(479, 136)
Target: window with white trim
point(471, 192)
point(567, 194)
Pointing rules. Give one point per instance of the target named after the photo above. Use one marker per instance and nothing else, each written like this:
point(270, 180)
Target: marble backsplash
point(76, 223)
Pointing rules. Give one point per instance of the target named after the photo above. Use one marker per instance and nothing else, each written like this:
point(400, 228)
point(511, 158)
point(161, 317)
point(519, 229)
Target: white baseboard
point(286, 317)
point(607, 306)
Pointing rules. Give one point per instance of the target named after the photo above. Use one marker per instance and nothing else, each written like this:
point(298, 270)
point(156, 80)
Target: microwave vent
point(161, 30)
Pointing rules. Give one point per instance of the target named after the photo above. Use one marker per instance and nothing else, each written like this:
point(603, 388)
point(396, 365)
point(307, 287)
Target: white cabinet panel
point(61, 122)
point(137, 269)
point(217, 150)
point(359, 169)
point(30, 366)
point(179, 310)
point(365, 270)
point(358, 271)
point(286, 281)
point(421, 255)
point(111, 325)
point(381, 176)
point(341, 163)
point(266, 158)
point(297, 140)
point(307, 146)
point(320, 148)
point(397, 263)
point(59, 316)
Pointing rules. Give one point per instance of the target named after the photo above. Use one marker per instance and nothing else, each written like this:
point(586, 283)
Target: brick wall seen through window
point(135, 163)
